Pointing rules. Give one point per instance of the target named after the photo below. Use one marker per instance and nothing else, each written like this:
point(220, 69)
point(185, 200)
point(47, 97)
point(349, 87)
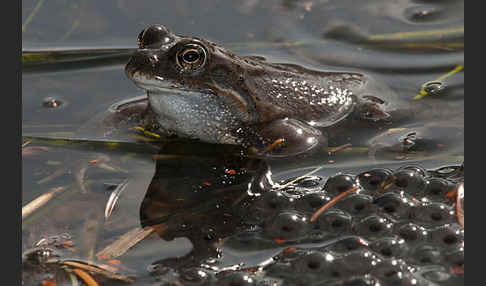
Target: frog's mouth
point(158, 85)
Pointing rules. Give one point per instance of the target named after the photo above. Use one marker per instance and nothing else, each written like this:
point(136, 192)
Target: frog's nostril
point(143, 60)
point(153, 37)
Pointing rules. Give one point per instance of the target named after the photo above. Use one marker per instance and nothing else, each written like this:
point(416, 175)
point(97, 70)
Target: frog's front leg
point(285, 137)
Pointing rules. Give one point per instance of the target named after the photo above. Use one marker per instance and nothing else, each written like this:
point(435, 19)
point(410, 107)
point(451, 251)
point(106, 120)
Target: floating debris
point(113, 199)
point(332, 202)
point(51, 102)
point(437, 85)
point(460, 204)
point(41, 201)
point(96, 269)
point(125, 242)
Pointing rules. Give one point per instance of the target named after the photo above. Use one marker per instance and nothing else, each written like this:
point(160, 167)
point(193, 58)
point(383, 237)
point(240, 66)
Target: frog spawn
point(395, 230)
point(399, 228)
point(368, 238)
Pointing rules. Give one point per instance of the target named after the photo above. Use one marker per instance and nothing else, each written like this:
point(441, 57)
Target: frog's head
point(192, 83)
point(168, 62)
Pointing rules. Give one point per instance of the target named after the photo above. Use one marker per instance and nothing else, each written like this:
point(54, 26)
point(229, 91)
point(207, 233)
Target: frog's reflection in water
point(204, 199)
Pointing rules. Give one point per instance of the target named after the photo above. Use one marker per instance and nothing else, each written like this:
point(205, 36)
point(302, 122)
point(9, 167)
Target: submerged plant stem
point(331, 203)
point(88, 279)
point(125, 242)
point(96, 269)
point(301, 177)
point(41, 201)
point(417, 34)
point(32, 14)
point(39, 212)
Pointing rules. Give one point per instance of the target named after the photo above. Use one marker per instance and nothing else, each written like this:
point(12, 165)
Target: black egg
point(312, 262)
point(455, 257)
point(372, 180)
point(357, 262)
point(270, 204)
point(394, 205)
point(426, 254)
point(390, 246)
point(447, 236)
point(373, 227)
point(334, 221)
point(349, 244)
point(338, 184)
point(411, 181)
point(366, 280)
point(412, 233)
point(433, 214)
point(417, 169)
point(286, 225)
point(391, 273)
point(438, 188)
point(236, 279)
point(357, 205)
point(311, 202)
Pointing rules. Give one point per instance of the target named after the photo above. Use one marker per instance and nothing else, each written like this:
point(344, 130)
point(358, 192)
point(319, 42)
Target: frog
point(199, 90)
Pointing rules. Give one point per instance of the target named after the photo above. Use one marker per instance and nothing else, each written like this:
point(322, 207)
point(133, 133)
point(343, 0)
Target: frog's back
point(318, 97)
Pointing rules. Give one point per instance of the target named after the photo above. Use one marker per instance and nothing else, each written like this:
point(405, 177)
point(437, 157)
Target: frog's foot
point(372, 108)
point(428, 139)
point(286, 137)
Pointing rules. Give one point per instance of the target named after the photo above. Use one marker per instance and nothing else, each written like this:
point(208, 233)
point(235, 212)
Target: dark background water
point(323, 34)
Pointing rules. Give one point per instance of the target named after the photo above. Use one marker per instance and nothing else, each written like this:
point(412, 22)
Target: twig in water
point(96, 269)
point(32, 14)
point(460, 205)
point(126, 241)
point(331, 150)
point(88, 279)
point(301, 177)
point(272, 146)
point(40, 201)
point(332, 202)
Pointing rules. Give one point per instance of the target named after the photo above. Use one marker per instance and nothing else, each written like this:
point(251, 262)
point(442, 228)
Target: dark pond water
point(74, 56)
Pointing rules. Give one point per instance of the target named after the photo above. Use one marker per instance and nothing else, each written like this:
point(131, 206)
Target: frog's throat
point(240, 104)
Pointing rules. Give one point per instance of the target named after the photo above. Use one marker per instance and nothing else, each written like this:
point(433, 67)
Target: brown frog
point(197, 89)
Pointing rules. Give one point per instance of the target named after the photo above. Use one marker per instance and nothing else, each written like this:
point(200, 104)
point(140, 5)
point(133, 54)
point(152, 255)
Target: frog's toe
point(430, 139)
point(394, 141)
point(289, 137)
point(372, 109)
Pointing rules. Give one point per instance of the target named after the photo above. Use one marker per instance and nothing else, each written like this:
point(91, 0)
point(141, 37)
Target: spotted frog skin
point(197, 89)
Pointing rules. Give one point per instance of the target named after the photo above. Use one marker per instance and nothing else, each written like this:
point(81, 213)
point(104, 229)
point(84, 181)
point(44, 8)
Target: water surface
point(401, 43)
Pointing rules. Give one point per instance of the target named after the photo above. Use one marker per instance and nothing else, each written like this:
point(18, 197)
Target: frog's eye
point(191, 57)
